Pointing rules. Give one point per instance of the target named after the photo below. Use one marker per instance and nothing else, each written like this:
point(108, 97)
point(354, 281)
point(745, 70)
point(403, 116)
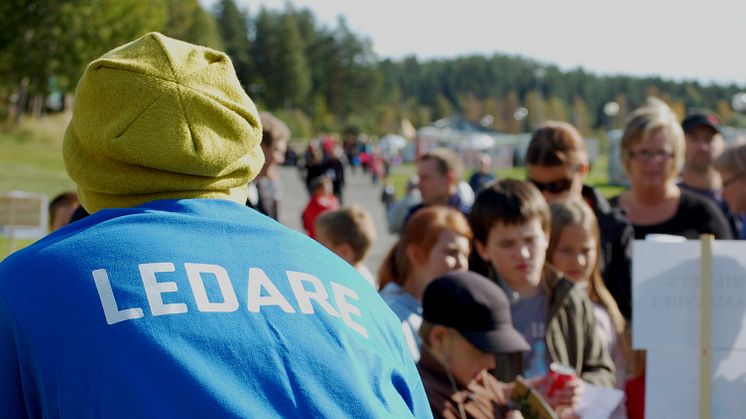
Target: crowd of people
point(182, 294)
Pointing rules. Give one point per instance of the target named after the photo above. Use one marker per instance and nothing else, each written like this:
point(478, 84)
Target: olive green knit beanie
point(161, 119)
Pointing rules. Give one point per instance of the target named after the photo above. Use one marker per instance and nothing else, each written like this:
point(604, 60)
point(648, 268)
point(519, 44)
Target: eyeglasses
point(734, 178)
point(557, 186)
point(650, 155)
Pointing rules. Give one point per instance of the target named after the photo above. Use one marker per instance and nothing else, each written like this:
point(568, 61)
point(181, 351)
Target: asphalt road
point(359, 190)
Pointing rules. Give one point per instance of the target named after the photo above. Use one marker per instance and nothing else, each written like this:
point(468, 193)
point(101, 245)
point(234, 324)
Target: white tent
point(477, 142)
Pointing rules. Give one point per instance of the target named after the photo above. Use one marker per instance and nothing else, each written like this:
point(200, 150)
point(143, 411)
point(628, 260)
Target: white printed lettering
point(108, 303)
point(194, 273)
point(304, 296)
point(340, 293)
point(258, 280)
point(154, 289)
point(307, 289)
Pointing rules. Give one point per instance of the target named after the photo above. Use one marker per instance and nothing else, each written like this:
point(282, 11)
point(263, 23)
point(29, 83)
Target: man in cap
point(704, 144)
point(466, 321)
point(173, 299)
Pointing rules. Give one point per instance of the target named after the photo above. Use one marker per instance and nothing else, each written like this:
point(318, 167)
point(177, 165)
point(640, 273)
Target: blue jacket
point(195, 308)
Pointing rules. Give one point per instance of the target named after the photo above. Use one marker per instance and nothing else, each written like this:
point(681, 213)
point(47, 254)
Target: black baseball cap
point(476, 307)
point(696, 119)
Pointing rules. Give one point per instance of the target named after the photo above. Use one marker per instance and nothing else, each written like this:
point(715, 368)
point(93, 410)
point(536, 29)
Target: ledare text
point(262, 292)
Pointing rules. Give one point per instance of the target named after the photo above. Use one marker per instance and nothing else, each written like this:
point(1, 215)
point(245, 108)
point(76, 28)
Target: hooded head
point(159, 118)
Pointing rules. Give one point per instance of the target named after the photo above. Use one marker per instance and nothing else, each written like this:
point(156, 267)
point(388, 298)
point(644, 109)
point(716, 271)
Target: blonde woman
point(652, 150)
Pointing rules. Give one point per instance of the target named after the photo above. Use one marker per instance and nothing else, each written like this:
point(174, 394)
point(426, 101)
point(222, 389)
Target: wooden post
point(705, 328)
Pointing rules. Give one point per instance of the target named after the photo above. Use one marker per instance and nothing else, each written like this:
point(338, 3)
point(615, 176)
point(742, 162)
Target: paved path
point(359, 190)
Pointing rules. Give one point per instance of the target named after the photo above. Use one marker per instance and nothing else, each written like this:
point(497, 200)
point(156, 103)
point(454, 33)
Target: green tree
point(443, 107)
point(291, 80)
point(234, 29)
point(189, 22)
point(580, 116)
point(58, 38)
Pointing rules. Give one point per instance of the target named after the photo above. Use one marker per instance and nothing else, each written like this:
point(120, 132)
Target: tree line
point(320, 78)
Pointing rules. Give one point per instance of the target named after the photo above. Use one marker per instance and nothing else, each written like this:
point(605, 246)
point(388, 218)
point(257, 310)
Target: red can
point(559, 375)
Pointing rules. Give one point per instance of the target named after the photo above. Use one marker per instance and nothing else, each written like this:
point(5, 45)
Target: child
point(61, 210)
point(574, 247)
point(466, 321)
point(322, 199)
point(510, 220)
point(349, 233)
point(388, 194)
point(434, 241)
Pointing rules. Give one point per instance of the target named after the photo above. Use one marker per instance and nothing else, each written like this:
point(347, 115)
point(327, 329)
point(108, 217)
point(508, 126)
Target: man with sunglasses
point(557, 163)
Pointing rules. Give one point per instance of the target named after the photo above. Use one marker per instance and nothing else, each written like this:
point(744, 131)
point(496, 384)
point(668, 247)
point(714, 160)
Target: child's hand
point(569, 395)
point(514, 414)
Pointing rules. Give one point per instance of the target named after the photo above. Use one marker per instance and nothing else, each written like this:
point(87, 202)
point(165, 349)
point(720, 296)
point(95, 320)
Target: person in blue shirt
point(173, 299)
point(483, 175)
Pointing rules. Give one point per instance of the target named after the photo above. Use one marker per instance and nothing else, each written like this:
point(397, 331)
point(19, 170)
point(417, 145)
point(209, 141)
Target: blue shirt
point(409, 312)
point(195, 308)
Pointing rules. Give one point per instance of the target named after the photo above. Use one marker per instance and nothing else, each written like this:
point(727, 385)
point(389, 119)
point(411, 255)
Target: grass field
point(31, 160)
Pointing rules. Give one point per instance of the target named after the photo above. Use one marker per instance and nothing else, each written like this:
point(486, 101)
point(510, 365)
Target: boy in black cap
point(704, 144)
point(466, 322)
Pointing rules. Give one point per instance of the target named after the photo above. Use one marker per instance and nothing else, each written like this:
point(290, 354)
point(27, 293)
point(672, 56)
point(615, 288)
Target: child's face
point(575, 254)
point(465, 361)
point(450, 253)
point(323, 189)
point(517, 253)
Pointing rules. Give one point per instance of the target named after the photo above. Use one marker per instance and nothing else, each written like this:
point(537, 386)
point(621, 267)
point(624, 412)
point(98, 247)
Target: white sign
point(23, 215)
point(666, 292)
point(672, 384)
point(666, 301)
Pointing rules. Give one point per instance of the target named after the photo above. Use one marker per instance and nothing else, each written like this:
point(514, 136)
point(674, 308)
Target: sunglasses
point(557, 186)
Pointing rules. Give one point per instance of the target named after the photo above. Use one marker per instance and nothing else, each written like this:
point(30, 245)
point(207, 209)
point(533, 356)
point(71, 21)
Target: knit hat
point(160, 118)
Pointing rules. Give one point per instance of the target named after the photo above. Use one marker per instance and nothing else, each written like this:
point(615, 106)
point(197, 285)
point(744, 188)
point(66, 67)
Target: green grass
point(31, 160)
point(31, 157)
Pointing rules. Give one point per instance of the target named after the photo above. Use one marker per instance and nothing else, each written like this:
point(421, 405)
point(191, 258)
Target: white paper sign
point(665, 294)
point(23, 215)
point(666, 301)
point(666, 290)
point(598, 402)
point(672, 384)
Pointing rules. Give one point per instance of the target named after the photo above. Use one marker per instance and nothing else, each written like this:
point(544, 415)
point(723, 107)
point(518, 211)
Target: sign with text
point(666, 322)
point(666, 291)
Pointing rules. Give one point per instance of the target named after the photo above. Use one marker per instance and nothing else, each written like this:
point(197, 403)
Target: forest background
point(321, 78)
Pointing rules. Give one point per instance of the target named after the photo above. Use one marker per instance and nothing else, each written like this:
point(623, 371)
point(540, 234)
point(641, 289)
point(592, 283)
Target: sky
point(702, 40)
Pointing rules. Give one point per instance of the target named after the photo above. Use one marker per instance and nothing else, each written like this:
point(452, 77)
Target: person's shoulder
point(567, 294)
point(691, 203)
point(607, 211)
point(401, 303)
point(692, 199)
